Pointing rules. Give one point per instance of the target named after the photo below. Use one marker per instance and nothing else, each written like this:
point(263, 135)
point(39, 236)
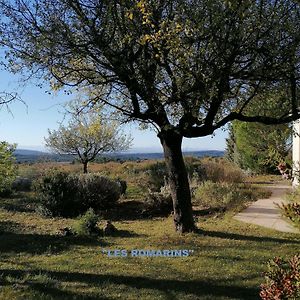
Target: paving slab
point(265, 212)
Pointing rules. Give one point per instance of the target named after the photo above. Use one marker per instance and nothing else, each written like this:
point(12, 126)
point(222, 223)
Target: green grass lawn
point(228, 260)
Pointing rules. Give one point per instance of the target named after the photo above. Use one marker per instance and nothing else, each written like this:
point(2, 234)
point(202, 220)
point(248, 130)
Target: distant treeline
point(26, 156)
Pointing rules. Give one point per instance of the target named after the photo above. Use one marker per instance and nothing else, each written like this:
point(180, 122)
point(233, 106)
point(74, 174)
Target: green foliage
point(69, 195)
point(231, 153)
point(123, 186)
point(56, 192)
point(259, 148)
point(214, 169)
point(158, 203)
point(157, 174)
point(8, 168)
point(219, 170)
point(22, 184)
point(186, 63)
point(87, 224)
point(96, 191)
point(291, 210)
point(282, 279)
point(86, 136)
point(223, 196)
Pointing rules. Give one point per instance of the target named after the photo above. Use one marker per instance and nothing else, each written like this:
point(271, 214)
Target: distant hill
point(30, 156)
point(26, 152)
point(159, 155)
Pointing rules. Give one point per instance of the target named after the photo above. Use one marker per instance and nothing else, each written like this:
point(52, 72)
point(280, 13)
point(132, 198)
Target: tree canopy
point(185, 67)
point(258, 147)
point(87, 136)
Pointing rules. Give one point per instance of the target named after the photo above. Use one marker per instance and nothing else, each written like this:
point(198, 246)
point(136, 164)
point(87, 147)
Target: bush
point(123, 186)
point(7, 167)
point(57, 194)
point(212, 169)
point(22, 184)
point(87, 224)
point(70, 195)
point(292, 212)
point(224, 196)
point(96, 191)
point(157, 173)
point(282, 279)
point(158, 203)
point(218, 170)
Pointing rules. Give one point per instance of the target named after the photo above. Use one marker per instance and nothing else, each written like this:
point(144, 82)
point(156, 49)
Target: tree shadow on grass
point(240, 237)
point(49, 289)
point(18, 202)
point(126, 233)
point(43, 244)
point(194, 288)
point(126, 211)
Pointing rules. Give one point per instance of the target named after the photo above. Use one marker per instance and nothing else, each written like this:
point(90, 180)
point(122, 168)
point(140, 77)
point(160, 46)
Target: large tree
point(258, 147)
point(87, 136)
point(187, 67)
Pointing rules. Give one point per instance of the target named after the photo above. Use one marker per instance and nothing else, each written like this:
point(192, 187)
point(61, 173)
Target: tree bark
point(178, 180)
point(85, 167)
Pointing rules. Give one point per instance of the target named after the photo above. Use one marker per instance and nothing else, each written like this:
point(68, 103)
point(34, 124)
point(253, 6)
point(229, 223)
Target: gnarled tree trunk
point(85, 163)
point(178, 180)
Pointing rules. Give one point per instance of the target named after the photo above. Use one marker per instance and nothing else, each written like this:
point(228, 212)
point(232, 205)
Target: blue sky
point(27, 124)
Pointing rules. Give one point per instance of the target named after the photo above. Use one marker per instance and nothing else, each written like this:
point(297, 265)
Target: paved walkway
point(264, 212)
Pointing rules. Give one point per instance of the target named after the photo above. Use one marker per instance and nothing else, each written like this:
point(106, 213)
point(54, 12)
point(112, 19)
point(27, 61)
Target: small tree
point(7, 166)
point(86, 136)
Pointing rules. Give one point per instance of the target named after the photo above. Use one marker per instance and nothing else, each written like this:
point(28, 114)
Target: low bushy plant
point(282, 279)
point(22, 184)
point(223, 195)
point(122, 185)
point(70, 195)
point(219, 170)
point(8, 168)
point(87, 223)
point(96, 191)
point(56, 194)
point(158, 175)
point(158, 203)
point(292, 212)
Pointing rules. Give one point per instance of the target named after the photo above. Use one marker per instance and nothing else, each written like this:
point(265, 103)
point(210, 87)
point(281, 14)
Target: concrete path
point(264, 212)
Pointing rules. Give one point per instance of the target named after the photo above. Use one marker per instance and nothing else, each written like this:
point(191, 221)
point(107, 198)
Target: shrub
point(56, 195)
point(70, 195)
point(292, 212)
point(123, 186)
point(282, 279)
point(7, 167)
point(158, 203)
point(87, 224)
point(222, 171)
point(22, 184)
point(224, 196)
point(157, 173)
point(96, 191)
